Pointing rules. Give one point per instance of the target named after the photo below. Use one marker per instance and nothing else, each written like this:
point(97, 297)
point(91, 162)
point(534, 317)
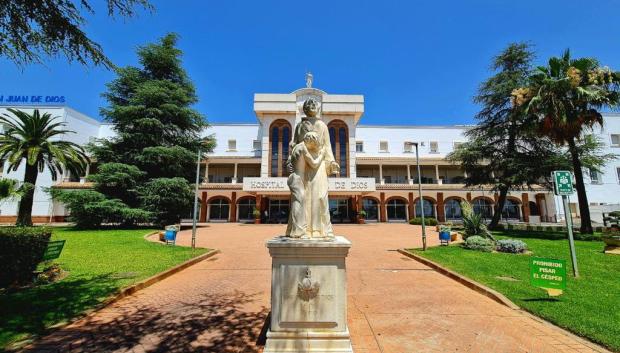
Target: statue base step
point(308, 295)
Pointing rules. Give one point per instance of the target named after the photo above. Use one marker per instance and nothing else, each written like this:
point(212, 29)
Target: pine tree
point(504, 150)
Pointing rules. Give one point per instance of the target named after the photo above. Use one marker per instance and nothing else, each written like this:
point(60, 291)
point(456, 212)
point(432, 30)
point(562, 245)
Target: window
point(232, 145)
point(339, 139)
point(278, 211)
point(219, 209)
point(256, 145)
point(371, 207)
point(279, 139)
point(246, 209)
point(483, 207)
point(408, 147)
point(359, 146)
point(396, 210)
point(453, 209)
point(615, 140)
point(595, 177)
point(511, 210)
point(434, 147)
point(429, 210)
point(534, 211)
point(383, 146)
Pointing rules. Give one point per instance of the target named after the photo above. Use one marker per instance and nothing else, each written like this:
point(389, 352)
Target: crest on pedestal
point(308, 289)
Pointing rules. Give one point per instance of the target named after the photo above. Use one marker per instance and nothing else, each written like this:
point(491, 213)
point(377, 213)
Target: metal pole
point(417, 162)
point(195, 218)
point(571, 241)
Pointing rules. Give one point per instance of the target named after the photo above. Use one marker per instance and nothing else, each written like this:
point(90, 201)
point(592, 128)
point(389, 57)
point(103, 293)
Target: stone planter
point(612, 244)
point(361, 221)
point(454, 236)
point(256, 220)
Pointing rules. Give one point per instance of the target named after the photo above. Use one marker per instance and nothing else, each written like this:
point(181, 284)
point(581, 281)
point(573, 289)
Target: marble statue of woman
point(318, 163)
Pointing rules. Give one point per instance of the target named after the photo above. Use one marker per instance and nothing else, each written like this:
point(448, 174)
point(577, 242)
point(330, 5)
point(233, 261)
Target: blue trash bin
point(444, 237)
point(170, 237)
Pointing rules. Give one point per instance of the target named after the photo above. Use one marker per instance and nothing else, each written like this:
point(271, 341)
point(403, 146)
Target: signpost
point(549, 274)
point(53, 250)
point(563, 186)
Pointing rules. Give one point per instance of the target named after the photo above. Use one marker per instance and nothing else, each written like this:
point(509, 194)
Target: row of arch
point(396, 208)
point(281, 133)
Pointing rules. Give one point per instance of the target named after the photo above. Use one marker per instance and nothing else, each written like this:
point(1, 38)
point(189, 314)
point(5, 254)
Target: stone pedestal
point(308, 296)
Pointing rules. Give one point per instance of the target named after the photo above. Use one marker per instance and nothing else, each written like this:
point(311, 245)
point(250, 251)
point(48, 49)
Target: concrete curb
point(123, 293)
point(484, 290)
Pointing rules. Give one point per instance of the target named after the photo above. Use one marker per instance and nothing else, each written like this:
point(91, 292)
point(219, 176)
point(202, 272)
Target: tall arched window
point(279, 139)
point(339, 138)
point(453, 209)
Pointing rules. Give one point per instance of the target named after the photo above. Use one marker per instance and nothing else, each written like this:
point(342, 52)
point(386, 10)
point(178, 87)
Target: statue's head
point(311, 107)
point(311, 140)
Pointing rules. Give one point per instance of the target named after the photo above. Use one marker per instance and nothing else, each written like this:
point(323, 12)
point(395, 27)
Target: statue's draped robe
point(315, 199)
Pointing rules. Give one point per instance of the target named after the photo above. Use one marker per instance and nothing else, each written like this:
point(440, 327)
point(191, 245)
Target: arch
point(404, 199)
point(483, 206)
point(428, 198)
point(280, 133)
point(512, 209)
point(452, 208)
point(514, 199)
point(396, 209)
point(339, 138)
point(457, 198)
point(371, 205)
point(219, 208)
point(245, 208)
point(218, 197)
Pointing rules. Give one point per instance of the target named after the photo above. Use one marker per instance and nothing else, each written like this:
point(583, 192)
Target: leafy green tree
point(565, 98)
point(30, 29)
point(118, 181)
point(11, 189)
point(506, 133)
point(37, 139)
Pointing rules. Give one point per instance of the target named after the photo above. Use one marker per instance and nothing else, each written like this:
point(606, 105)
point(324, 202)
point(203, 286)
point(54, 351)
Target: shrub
point(21, 250)
point(429, 221)
point(512, 246)
point(90, 209)
point(473, 223)
point(476, 242)
point(168, 199)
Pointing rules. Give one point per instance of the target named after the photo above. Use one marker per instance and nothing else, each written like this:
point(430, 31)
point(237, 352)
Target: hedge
point(429, 221)
point(21, 250)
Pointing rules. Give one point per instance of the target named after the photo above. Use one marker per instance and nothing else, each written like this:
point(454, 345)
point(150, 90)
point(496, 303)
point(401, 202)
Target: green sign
point(563, 182)
point(53, 250)
point(548, 273)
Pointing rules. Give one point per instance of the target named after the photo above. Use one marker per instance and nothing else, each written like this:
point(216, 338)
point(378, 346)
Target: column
point(233, 207)
point(381, 181)
point(259, 201)
point(409, 174)
point(206, 179)
point(360, 205)
point(382, 210)
point(441, 211)
point(540, 202)
point(203, 207)
point(468, 197)
point(437, 174)
point(411, 206)
point(234, 179)
point(525, 201)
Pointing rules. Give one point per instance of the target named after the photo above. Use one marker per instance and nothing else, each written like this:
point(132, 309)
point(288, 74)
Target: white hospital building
point(377, 168)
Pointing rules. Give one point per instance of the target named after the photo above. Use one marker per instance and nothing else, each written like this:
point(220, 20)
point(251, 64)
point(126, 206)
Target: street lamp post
point(417, 162)
point(195, 218)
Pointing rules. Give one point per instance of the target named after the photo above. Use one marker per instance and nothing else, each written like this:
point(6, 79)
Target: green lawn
point(99, 263)
point(589, 307)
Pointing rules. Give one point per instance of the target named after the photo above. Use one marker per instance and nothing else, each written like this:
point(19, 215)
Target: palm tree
point(565, 98)
point(36, 139)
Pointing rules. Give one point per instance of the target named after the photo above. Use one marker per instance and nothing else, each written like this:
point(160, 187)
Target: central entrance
point(340, 210)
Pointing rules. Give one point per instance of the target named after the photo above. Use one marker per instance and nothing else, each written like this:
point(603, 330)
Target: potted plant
point(256, 214)
point(444, 234)
point(361, 216)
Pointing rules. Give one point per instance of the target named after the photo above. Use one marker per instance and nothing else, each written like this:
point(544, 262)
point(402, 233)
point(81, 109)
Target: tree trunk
point(584, 209)
point(499, 206)
point(24, 214)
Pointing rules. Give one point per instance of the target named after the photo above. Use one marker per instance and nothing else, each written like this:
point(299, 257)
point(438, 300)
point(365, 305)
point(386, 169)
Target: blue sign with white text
point(30, 99)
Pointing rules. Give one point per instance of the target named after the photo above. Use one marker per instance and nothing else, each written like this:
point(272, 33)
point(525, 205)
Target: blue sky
point(415, 62)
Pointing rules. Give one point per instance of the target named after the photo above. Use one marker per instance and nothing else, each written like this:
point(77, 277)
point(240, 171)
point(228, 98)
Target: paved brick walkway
point(395, 304)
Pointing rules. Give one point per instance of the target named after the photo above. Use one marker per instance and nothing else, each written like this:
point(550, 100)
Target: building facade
point(378, 170)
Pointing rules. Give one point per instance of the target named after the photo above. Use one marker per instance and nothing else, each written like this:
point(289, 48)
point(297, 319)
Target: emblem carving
point(308, 289)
